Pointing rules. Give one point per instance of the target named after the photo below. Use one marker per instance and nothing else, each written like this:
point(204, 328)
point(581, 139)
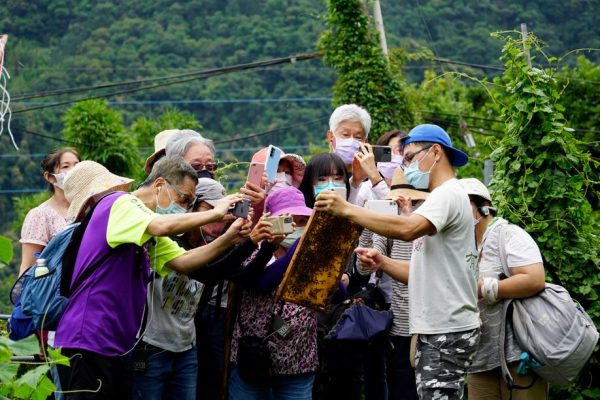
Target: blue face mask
point(173, 207)
point(417, 178)
point(329, 185)
point(292, 237)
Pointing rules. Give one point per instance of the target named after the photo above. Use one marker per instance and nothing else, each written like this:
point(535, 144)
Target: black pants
point(400, 375)
point(94, 376)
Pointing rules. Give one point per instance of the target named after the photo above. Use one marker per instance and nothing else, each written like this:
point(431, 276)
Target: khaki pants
point(490, 385)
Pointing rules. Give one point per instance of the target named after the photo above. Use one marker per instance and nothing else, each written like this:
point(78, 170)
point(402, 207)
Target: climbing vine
point(350, 46)
point(542, 174)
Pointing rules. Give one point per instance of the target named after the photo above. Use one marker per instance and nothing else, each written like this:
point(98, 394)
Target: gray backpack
point(555, 330)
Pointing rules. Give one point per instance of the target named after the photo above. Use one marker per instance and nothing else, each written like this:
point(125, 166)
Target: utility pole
point(524, 37)
point(379, 24)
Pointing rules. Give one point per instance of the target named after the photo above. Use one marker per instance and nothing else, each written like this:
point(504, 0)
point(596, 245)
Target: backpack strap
point(70, 255)
point(506, 311)
point(505, 306)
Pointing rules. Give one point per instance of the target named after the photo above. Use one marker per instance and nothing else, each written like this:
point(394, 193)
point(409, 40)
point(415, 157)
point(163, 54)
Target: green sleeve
point(128, 220)
point(164, 251)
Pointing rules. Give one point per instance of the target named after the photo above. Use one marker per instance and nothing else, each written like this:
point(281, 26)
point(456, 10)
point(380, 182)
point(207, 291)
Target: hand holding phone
point(255, 173)
point(382, 153)
point(282, 225)
point(241, 208)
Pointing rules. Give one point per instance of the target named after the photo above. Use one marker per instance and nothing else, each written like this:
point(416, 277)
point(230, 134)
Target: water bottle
point(40, 268)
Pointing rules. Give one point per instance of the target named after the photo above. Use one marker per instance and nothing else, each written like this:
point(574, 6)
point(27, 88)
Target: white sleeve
point(436, 208)
point(380, 190)
point(521, 249)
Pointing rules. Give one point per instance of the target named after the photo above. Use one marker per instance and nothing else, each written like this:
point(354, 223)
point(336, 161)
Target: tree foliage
point(101, 136)
point(351, 47)
point(541, 175)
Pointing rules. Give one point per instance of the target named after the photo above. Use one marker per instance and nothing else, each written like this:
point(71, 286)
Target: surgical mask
point(205, 174)
point(417, 178)
point(387, 169)
point(60, 180)
point(292, 237)
point(325, 186)
point(345, 148)
point(173, 207)
point(282, 180)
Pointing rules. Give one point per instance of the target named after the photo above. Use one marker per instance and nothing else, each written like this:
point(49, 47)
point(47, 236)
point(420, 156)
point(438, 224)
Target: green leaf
point(8, 371)
point(6, 250)
point(26, 347)
point(26, 385)
point(58, 358)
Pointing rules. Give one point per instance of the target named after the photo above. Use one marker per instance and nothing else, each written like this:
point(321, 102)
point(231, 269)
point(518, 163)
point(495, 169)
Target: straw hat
point(400, 187)
point(86, 179)
point(160, 143)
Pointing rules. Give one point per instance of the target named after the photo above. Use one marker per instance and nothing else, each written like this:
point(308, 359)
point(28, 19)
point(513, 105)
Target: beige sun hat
point(401, 187)
point(87, 179)
point(160, 143)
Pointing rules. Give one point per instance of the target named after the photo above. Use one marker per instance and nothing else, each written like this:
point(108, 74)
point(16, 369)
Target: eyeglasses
point(410, 156)
point(212, 167)
point(183, 198)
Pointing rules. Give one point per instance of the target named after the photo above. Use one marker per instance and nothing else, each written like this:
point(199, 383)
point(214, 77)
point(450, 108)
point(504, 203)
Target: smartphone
point(272, 162)
point(382, 153)
point(255, 173)
point(383, 206)
point(341, 191)
point(241, 208)
point(282, 225)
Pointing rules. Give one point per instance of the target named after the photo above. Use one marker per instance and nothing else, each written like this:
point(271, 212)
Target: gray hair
point(350, 112)
point(173, 169)
point(179, 143)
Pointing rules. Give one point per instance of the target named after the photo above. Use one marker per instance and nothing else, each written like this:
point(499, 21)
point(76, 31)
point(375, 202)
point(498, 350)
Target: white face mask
point(292, 237)
point(60, 180)
point(282, 180)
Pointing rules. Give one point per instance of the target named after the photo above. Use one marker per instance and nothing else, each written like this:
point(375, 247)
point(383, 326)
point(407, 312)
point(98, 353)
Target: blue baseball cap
point(435, 134)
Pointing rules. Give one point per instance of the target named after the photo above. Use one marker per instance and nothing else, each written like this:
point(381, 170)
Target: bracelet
point(489, 290)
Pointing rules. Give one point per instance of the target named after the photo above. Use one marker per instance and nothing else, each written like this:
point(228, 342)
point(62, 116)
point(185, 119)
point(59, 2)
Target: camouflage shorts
point(441, 364)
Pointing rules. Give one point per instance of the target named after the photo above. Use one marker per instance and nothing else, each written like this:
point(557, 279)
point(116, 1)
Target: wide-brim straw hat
point(87, 179)
point(401, 187)
point(160, 144)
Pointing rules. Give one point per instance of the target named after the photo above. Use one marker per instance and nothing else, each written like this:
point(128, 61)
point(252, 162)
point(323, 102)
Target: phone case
point(255, 173)
point(273, 157)
point(341, 191)
point(382, 206)
point(241, 208)
point(382, 153)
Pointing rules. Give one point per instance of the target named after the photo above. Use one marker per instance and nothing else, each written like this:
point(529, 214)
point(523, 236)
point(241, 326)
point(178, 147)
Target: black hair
point(484, 207)
point(321, 165)
point(51, 161)
point(173, 169)
point(385, 139)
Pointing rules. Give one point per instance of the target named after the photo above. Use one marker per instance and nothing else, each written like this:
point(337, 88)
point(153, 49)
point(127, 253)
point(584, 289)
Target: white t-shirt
point(442, 284)
point(520, 250)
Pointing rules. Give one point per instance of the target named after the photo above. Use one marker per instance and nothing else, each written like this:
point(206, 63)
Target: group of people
point(181, 284)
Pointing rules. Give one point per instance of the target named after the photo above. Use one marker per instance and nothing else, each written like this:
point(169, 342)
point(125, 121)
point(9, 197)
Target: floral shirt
point(41, 224)
point(294, 354)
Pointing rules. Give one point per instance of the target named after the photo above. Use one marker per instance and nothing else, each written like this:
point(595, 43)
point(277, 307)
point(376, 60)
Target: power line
point(253, 135)
point(214, 72)
point(203, 101)
point(196, 74)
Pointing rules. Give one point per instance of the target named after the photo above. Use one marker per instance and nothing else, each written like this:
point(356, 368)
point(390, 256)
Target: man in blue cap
point(443, 268)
